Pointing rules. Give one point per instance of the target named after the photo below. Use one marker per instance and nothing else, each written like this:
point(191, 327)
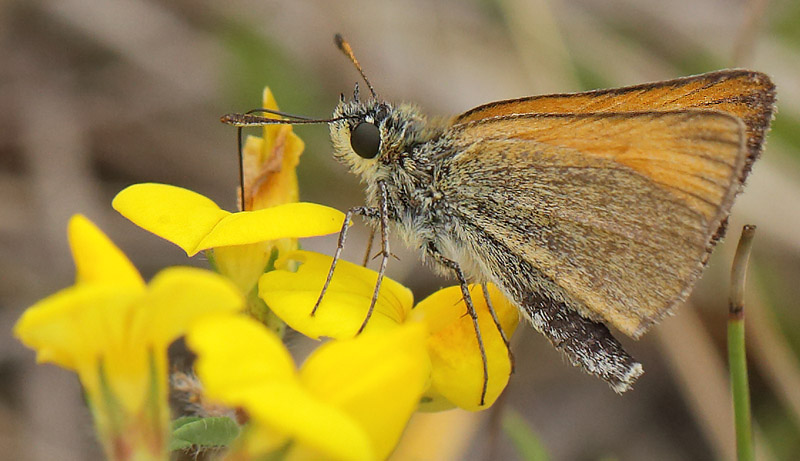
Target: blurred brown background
point(96, 95)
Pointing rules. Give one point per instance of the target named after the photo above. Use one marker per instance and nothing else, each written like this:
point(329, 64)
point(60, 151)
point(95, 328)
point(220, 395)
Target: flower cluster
point(113, 330)
point(350, 399)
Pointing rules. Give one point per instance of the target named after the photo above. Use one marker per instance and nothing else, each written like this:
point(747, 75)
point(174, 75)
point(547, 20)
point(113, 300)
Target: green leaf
point(527, 443)
point(202, 432)
point(178, 423)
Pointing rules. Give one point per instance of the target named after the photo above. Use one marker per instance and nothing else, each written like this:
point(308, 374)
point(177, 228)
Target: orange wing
point(616, 210)
point(745, 94)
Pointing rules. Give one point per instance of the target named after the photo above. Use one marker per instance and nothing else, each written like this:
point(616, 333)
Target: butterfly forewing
point(745, 94)
point(642, 192)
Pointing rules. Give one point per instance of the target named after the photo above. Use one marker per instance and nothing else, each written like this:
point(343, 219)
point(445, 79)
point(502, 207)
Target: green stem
point(259, 310)
point(737, 357)
point(740, 388)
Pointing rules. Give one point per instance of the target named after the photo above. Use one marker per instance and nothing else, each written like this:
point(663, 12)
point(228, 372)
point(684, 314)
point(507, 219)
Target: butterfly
point(587, 210)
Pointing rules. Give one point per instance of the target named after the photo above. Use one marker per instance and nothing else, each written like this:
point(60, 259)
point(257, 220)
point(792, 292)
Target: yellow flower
point(196, 223)
point(291, 296)
point(241, 243)
point(457, 374)
point(270, 163)
point(350, 400)
point(457, 366)
point(113, 330)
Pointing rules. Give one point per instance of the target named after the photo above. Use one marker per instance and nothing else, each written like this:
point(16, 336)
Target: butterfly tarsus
point(369, 247)
point(496, 320)
point(380, 253)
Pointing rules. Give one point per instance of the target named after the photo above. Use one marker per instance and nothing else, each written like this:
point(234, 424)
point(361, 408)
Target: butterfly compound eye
point(366, 139)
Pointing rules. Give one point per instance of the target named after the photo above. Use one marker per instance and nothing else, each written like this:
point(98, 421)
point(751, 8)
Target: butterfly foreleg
point(383, 214)
point(366, 212)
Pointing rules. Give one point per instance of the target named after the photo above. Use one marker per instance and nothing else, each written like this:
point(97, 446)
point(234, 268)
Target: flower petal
point(457, 371)
point(85, 328)
point(319, 430)
point(96, 257)
point(269, 163)
point(175, 214)
point(292, 220)
point(195, 223)
point(70, 328)
point(236, 353)
point(291, 296)
point(242, 363)
point(376, 378)
point(178, 297)
point(243, 264)
point(270, 132)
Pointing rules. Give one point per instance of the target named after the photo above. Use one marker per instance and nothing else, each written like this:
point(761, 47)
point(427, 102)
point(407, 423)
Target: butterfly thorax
point(412, 161)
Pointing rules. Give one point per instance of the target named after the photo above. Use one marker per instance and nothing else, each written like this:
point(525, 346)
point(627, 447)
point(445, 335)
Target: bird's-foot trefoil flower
point(113, 330)
point(240, 245)
point(350, 400)
point(457, 365)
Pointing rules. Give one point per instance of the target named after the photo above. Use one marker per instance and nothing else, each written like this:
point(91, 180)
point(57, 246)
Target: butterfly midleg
point(462, 280)
point(383, 213)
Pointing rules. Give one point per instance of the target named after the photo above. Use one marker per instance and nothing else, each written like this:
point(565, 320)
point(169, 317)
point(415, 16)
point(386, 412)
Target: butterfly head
point(368, 135)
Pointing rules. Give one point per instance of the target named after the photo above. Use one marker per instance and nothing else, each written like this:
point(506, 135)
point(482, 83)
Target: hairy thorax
point(420, 210)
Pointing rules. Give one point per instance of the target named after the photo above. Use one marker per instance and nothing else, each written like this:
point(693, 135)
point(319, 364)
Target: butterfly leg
point(496, 320)
point(462, 280)
point(369, 246)
point(586, 343)
point(383, 213)
point(366, 212)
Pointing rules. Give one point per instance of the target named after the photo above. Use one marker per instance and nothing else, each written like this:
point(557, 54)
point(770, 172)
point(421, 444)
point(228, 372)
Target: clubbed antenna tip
point(342, 44)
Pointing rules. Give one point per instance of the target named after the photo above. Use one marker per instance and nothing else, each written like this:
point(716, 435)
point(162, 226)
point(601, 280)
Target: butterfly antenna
point(342, 44)
point(252, 119)
point(249, 119)
point(241, 168)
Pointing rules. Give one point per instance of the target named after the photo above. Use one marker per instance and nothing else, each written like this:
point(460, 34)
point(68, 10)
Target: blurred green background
point(96, 95)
